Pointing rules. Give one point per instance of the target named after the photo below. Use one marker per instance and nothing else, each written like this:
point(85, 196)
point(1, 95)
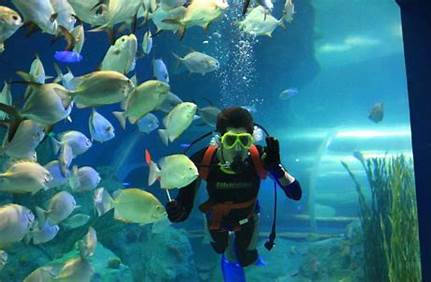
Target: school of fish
point(49, 100)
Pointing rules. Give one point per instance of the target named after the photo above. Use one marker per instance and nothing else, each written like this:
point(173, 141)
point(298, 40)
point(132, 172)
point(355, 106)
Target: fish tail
point(163, 133)
point(282, 20)
point(41, 216)
point(148, 157)
point(154, 170)
point(121, 117)
point(25, 76)
point(73, 179)
point(59, 73)
point(177, 57)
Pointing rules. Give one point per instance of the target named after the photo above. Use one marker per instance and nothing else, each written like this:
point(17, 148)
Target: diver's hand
point(271, 160)
point(176, 212)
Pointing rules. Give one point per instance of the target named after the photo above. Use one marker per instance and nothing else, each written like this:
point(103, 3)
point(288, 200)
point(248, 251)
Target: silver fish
point(3, 259)
point(148, 123)
point(24, 177)
point(75, 221)
point(376, 113)
point(5, 98)
point(101, 129)
point(44, 234)
point(39, 12)
point(169, 103)
point(102, 201)
point(60, 206)
point(209, 115)
point(65, 13)
point(160, 71)
point(121, 56)
point(22, 143)
point(72, 144)
point(84, 179)
point(197, 62)
point(15, 224)
point(147, 43)
point(58, 178)
point(10, 22)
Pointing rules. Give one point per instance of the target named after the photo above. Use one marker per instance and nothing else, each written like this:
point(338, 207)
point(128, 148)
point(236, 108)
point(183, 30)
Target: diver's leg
point(219, 240)
point(246, 241)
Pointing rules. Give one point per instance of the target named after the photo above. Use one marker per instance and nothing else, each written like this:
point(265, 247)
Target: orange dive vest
point(219, 210)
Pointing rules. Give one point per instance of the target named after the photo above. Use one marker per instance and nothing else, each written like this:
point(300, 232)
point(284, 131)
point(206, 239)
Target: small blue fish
point(148, 123)
point(68, 56)
point(101, 129)
point(160, 71)
point(288, 93)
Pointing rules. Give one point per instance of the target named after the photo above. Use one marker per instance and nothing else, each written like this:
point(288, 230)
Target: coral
point(391, 248)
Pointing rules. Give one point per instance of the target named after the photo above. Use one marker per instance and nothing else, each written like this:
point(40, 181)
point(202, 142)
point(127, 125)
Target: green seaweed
point(389, 220)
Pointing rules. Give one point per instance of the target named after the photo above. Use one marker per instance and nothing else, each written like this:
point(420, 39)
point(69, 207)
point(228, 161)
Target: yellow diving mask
point(230, 139)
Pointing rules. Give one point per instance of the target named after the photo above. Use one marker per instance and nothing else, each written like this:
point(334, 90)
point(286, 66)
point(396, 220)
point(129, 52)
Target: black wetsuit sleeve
point(186, 196)
point(293, 190)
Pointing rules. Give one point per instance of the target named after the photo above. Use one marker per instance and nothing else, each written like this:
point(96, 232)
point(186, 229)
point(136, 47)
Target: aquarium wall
point(87, 129)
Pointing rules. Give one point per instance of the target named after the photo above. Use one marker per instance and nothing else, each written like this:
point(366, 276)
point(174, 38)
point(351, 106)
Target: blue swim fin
point(260, 261)
point(232, 271)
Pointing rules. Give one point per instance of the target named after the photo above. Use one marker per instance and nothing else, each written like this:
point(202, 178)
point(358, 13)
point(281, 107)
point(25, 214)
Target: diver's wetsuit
point(236, 188)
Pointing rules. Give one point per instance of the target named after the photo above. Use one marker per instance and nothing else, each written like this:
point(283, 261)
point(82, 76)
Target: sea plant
point(389, 219)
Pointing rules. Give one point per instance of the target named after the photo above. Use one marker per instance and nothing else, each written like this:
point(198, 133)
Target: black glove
point(272, 161)
point(176, 212)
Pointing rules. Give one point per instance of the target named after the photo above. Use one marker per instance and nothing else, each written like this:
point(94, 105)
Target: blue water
point(342, 56)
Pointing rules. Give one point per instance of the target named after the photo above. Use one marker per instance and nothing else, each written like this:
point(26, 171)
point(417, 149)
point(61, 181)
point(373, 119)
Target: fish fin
point(148, 157)
point(41, 216)
point(55, 143)
point(123, 104)
point(206, 27)
point(27, 238)
point(134, 24)
point(69, 38)
point(66, 157)
point(121, 117)
point(25, 76)
point(134, 79)
point(11, 111)
point(154, 173)
point(164, 136)
point(133, 120)
point(81, 106)
point(181, 32)
point(32, 28)
point(208, 101)
point(58, 72)
point(177, 57)
point(73, 179)
point(158, 31)
point(282, 24)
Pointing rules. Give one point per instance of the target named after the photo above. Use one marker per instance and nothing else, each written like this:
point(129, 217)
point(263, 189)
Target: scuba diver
point(233, 168)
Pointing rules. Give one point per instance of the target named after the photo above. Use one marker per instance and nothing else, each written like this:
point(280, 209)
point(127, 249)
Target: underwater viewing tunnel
point(215, 140)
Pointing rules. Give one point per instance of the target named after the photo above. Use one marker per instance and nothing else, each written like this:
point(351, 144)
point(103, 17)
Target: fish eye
point(14, 17)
